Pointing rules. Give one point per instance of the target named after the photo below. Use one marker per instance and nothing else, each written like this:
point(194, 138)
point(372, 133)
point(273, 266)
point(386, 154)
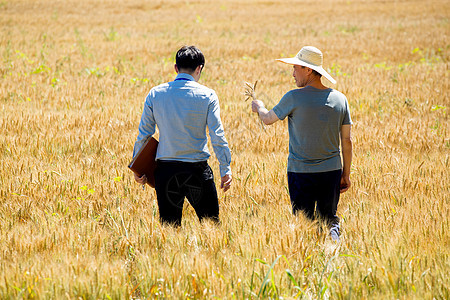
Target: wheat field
point(75, 225)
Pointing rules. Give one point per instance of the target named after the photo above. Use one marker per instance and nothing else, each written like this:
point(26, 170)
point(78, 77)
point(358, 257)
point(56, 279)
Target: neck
point(195, 74)
point(315, 82)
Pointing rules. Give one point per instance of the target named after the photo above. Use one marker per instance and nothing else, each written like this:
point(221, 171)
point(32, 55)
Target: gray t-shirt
point(315, 118)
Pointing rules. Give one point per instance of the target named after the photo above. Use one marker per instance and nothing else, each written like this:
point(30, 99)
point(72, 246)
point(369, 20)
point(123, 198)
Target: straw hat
point(310, 57)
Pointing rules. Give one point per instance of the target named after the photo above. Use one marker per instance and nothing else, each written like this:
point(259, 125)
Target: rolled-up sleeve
point(216, 132)
point(146, 126)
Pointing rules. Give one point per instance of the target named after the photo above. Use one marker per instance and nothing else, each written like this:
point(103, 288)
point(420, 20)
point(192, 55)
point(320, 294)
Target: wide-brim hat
point(310, 57)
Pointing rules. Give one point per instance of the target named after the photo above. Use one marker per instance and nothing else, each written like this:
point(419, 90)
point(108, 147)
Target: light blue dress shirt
point(182, 109)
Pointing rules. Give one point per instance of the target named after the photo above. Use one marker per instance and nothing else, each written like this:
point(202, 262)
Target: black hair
point(314, 72)
point(189, 58)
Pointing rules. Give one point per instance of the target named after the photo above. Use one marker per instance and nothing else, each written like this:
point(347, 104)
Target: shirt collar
point(184, 76)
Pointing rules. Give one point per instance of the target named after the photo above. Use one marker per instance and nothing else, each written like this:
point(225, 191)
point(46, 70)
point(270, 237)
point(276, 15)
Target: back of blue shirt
point(182, 110)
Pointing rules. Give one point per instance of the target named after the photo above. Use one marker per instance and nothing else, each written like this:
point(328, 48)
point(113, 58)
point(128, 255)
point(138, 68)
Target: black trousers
point(175, 180)
point(308, 189)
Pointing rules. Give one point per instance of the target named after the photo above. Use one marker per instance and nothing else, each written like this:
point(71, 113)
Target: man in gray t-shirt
point(319, 123)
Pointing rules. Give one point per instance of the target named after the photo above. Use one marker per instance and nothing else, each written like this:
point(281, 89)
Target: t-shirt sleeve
point(284, 107)
point(347, 119)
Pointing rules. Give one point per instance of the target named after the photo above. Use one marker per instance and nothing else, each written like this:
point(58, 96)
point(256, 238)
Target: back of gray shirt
point(315, 118)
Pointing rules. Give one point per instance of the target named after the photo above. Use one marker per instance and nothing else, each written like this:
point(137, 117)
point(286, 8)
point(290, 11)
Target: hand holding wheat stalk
point(250, 92)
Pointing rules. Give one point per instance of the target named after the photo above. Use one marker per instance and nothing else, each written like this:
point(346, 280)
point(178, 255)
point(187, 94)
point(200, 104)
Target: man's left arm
point(346, 145)
point(146, 130)
point(147, 126)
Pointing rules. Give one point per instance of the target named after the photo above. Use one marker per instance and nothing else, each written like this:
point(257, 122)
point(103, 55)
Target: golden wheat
point(74, 224)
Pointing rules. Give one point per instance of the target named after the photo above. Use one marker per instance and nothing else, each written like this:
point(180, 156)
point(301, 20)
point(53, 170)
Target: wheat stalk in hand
point(250, 92)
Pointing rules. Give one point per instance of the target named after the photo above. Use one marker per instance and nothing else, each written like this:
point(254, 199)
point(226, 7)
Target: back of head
point(189, 58)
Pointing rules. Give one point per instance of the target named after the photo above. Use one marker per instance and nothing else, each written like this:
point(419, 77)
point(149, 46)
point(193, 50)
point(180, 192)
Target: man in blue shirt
point(318, 121)
point(182, 110)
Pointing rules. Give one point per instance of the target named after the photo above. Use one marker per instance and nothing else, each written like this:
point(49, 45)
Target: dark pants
point(175, 180)
point(308, 189)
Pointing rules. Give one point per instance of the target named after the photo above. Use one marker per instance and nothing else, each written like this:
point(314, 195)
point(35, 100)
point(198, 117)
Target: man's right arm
point(346, 145)
point(219, 143)
point(268, 117)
